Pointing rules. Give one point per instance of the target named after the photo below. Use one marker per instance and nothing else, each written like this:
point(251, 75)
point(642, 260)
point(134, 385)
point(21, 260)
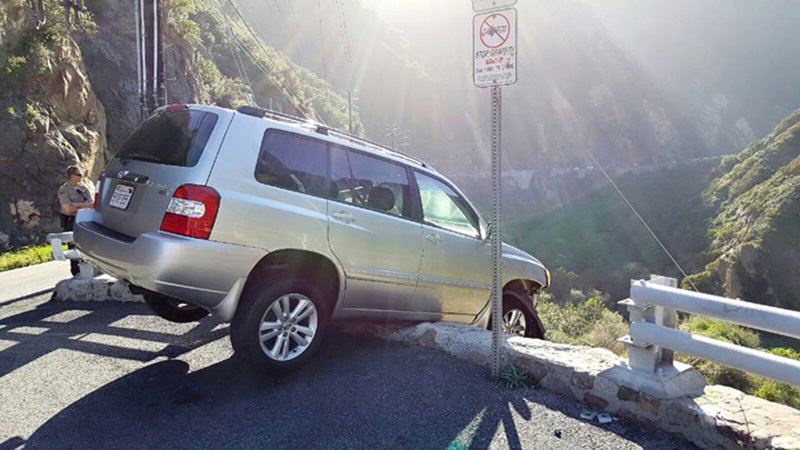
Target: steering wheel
point(299, 183)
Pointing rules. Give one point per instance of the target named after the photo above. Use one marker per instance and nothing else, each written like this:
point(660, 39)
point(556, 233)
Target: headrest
point(381, 198)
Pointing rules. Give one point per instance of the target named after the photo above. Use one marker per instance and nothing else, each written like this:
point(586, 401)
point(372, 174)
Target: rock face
point(110, 60)
point(50, 118)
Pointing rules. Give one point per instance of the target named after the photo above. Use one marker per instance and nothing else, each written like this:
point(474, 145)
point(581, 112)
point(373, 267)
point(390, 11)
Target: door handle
point(343, 216)
point(434, 237)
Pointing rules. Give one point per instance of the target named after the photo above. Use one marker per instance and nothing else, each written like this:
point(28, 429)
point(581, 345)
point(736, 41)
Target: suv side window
point(444, 208)
point(370, 182)
point(294, 162)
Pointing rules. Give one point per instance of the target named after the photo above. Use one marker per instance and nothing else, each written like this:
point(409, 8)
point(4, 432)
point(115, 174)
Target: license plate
point(121, 196)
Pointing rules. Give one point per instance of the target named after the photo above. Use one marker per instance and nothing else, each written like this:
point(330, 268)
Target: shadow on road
point(356, 393)
point(35, 333)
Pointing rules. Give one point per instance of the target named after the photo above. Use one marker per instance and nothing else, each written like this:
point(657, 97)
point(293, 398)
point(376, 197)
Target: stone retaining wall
point(711, 417)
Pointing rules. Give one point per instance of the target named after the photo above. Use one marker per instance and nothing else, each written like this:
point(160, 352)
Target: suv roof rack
point(322, 129)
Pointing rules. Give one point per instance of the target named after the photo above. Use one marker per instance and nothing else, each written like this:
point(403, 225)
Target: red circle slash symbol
point(495, 30)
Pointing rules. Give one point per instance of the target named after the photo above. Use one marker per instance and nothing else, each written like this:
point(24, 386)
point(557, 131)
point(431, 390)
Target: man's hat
point(74, 170)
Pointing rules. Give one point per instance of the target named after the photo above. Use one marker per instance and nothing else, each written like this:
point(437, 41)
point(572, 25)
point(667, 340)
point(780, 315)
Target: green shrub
point(588, 323)
point(514, 377)
point(723, 331)
point(779, 393)
point(775, 391)
point(25, 257)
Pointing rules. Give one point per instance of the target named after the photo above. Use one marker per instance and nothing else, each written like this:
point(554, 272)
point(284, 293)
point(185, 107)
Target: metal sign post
point(497, 239)
point(495, 66)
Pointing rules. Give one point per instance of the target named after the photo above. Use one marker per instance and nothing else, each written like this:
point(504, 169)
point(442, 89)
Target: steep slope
point(755, 234)
point(50, 118)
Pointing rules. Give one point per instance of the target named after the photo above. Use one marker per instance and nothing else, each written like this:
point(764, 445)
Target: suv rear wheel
point(173, 309)
point(280, 326)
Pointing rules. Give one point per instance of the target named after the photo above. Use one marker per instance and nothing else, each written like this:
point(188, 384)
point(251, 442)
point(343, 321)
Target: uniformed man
point(73, 196)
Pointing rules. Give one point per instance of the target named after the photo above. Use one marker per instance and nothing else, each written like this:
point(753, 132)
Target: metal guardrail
point(653, 305)
point(57, 241)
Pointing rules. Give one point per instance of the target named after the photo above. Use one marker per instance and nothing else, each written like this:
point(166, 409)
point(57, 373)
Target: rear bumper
point(193, 270)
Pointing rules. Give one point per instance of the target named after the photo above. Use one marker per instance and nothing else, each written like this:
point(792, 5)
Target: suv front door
point(373, 234)
point(456, 262)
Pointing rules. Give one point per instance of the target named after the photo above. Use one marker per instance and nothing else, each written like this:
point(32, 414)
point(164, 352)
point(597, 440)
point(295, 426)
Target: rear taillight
point(98, 189)
point(192, 211)
point(176, 107)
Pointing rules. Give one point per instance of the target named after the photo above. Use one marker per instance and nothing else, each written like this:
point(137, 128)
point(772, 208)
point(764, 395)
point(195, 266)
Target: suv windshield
point(176, 138)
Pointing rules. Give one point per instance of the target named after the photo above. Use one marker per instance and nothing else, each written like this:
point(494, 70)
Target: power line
point(281, 20)
point(641, 219)
point(322, 41)
point(346, 41)
point(288, 91)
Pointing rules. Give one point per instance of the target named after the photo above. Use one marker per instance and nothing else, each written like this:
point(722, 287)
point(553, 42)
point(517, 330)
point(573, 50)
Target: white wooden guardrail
point(653, 337)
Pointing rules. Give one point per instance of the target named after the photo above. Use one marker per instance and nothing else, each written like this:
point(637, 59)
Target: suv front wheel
point(519, 319)
point(280, 327)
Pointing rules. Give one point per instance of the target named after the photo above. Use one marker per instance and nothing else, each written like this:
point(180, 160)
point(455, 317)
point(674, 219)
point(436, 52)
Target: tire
point(173, 309)
point(277, 346)
point(519, 317)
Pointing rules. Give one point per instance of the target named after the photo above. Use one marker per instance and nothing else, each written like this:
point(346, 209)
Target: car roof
point(333, 135)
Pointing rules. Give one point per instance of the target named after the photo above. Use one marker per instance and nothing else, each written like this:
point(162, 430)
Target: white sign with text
point(495, 48)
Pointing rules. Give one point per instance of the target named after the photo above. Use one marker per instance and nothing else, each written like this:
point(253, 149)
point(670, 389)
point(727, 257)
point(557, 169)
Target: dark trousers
point(67, 223)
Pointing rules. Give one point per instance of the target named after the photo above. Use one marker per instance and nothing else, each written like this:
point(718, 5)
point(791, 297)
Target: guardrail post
point(646, 356)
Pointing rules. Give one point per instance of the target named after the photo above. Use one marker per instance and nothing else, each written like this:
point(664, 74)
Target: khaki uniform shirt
point(78, 194)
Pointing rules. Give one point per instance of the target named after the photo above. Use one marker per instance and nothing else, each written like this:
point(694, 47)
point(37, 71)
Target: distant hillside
point(730, 65)
point(577, 88)
point(755, 235)
point(582, 229)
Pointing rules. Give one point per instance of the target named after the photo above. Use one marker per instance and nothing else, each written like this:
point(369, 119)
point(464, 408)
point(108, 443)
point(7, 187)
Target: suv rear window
point(175, 138)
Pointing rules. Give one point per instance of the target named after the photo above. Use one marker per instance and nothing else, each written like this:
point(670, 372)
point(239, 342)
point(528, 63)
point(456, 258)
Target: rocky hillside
point(70, 96)
point(755, 235)
point(50, 118)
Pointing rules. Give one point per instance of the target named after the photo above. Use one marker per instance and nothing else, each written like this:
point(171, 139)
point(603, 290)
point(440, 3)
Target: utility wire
point(279, 18)
point(346, 42)
point(641, 219)
point(288, 91)
point(322, 41)
point(282, 16)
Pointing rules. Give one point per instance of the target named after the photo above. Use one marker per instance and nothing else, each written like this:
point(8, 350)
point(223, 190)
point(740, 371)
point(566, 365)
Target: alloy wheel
point(288, 327)
point(514, 323)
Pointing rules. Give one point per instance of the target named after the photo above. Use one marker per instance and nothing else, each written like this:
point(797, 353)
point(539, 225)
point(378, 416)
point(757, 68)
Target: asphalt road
point(100, 375)
point(38, 279)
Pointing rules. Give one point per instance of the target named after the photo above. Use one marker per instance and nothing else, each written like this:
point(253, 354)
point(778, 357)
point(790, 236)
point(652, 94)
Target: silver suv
point(279, 225)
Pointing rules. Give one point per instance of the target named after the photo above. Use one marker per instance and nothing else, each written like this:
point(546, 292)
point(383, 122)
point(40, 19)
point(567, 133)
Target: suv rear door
point(176, 145)
point(373, 234)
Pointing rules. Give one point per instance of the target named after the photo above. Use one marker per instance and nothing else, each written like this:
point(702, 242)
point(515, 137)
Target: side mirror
point(489, 228)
